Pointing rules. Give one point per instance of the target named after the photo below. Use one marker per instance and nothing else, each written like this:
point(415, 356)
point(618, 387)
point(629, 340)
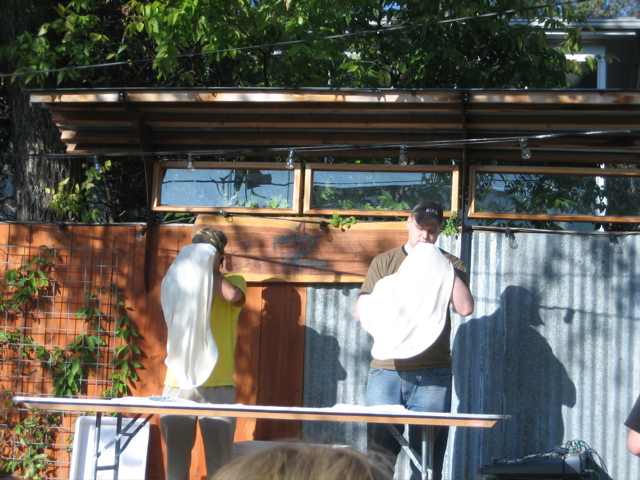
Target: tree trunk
point(32, 130)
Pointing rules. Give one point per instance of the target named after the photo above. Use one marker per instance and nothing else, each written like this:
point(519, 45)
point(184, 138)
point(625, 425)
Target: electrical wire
point(310, 38)
point(344, 148)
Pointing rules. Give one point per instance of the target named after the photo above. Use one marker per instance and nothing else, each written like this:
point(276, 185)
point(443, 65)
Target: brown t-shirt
point(438, 354)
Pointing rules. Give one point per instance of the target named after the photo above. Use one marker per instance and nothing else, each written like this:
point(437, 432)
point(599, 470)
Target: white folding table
point(149, 406)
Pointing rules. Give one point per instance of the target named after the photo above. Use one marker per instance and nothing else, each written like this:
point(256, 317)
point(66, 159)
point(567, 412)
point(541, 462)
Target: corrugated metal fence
point(553, 342)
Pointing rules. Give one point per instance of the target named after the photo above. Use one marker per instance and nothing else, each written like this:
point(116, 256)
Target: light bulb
point(96, 164)
point(525, 151)
point(140, 234)
point(191, 167)
point(402, 159)
point(291, 160)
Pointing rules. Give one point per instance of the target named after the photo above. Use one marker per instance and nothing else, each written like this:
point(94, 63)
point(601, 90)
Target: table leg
point(427, 452)
point(118, 450)
point(424, 461)
point(116, 442)
point(96, 445)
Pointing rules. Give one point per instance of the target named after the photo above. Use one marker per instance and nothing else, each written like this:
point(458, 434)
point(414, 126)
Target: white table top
point(338, 413)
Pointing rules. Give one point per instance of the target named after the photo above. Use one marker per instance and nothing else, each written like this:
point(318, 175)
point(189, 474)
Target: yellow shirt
point(223, 321)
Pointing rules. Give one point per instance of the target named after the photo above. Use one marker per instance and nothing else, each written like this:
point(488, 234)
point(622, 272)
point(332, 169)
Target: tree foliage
point(271, 43)
point(285, 43)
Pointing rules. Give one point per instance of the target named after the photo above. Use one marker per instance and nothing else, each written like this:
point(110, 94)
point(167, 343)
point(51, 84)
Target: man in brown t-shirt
point(422, 382)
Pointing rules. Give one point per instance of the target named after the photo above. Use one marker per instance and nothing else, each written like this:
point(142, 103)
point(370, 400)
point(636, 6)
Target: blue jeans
point(427, 390)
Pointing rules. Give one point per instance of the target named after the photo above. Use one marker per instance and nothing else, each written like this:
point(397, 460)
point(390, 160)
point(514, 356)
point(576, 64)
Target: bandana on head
point(212, 236)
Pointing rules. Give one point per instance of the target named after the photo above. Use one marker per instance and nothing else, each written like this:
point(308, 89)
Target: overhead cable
point(292, 152)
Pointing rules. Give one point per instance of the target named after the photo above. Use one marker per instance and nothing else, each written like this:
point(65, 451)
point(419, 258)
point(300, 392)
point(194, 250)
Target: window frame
point(310, 168)
point(161, 166)
point(565, 171)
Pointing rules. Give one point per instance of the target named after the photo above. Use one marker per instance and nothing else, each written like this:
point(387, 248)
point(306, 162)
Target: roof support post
point(146, 147)
point(465, 247)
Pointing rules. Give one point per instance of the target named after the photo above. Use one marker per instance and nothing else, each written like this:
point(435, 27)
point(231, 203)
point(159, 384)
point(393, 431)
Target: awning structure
point(567, 126)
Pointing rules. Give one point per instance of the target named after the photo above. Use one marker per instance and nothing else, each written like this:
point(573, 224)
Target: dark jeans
point(427, 390)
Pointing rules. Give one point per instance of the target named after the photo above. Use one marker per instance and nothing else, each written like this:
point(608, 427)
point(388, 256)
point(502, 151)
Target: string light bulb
point(525, 151)
point(402, 159)
point(291, 159)
point(191, 167)
point(140, 234)
point(96, 164)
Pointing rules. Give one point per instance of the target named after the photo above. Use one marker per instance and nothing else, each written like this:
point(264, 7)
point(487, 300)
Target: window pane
point(227, 188)
point(622, 196)
point(539, 194)
point(343, 190)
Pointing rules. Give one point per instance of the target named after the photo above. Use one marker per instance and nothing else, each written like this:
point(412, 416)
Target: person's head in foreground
point(300, 461)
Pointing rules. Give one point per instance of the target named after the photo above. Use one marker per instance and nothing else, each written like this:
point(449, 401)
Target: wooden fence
point(278, 258)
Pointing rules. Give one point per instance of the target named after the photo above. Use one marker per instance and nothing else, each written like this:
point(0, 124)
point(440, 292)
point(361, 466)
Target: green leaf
point(75, 366)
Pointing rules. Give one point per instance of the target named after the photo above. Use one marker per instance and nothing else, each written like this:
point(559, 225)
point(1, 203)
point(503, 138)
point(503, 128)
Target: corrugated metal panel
point(553, 343)
point(336, 361)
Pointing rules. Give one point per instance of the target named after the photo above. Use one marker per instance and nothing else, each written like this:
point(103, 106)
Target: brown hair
point(301, 461)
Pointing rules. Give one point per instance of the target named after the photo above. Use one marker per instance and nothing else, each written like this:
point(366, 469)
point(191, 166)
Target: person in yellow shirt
point(201, 307)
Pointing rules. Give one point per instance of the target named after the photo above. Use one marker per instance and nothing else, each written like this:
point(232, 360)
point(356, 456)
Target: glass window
point(227, 185)
point(572, 194)
point(377, 190)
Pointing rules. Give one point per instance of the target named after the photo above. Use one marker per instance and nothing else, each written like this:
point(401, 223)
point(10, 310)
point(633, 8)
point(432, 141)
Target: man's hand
point(633, 442)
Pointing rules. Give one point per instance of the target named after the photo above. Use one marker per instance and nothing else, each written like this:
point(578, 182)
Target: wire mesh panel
point(60, 311)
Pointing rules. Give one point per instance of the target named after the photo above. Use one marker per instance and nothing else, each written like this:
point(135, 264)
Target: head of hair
point(301, 461)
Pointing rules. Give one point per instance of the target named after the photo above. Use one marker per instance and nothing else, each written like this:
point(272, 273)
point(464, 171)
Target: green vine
point(124, 366)
point(35, 436)
point(342, 223)
point(68, 366)
point(25, 284)
point(451, 225)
